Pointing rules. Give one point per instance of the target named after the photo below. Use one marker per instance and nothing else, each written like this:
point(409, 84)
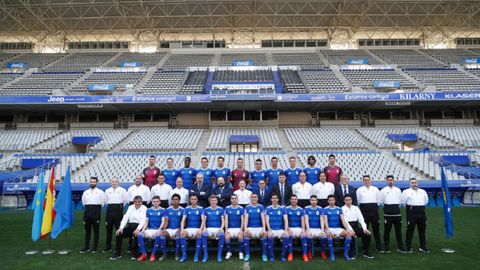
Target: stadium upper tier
point(169, 73)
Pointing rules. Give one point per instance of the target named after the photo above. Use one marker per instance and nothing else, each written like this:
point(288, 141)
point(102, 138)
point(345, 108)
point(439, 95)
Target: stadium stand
point(341, 57)
point(20, 140)
point(8, 77)
point(121, 80)
point(188, 60)
point(365, 78)
point(450, 56)
point(322, 80)
point(126, 166)
point(292, 81)
point(310, 60)
point(259, 75)
point(37, 60)
point(80, 62)
point(165, 140)
point(355, 164)
point(445, 79)
point(41, 83)
point(219, 138)
point(195, 82)
point(378, 136)
point(164, 82)
point(406, 58)
point(258, 59)
point(146, 59)
point(467, 136)
point(249, 159)
point(323, 138)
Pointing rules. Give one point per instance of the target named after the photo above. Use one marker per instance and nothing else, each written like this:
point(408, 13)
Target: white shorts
point(336, 231)
point(192, 232)
point(213, 232)
point(234, 232)
point(255, 232)
point(296, 232)
point(171, 232)
point(150, 233)
point(278, 233)
point(317, 233)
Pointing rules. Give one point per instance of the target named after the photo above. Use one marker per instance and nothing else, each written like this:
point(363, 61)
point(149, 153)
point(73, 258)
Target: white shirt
point(161, 190)
point(243, 196)
point(303, 191)
point(390, 195)
point(322, 190)
point(94, 196)
point(134, 215)
point(141, 190)
point(183, 192)
point(368, 195)
point(353, 214)
point(116, 195)
point(414, 197)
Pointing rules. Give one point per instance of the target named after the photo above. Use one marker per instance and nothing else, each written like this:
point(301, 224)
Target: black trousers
point(395, 221)
point(91, 220)
point(323, 203)
point(370, 214)
point(416, 217)
point(164, 204)
point(127, 233)
point(359, 233)
point(112, 221)
point(304, 202)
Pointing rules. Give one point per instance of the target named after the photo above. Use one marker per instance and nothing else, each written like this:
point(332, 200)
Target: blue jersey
point(272, 176)
point(224, 172)
point(155, 217)
point(256, 176)
point(314, 215)
point(312, 174)
point(333, 216)
point(292, 175)
point(275, 217)
point(295, 216)
point(170, 176)
point(174, 217)
point(194, 216)
point(188, 175)
point(207, 175)
point(214, 217)
point(254, 216)
point(235, 216)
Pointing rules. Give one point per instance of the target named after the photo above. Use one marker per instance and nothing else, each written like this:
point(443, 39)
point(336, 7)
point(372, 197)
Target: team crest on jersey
point(238, 212)
point(298, 213)
point(279, 212)
point(258, 210)
point(196, 212)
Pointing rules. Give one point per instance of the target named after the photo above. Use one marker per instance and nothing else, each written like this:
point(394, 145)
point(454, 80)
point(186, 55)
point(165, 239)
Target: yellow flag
point(49, 212)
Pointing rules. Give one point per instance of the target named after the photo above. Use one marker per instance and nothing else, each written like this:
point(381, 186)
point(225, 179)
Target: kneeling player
point(193, 223)
point(333, 220)
point(276, 221)
point(313, 226)
point(214, 220)
point(174, 222)
point(296, 227)
point(255, 227)
point(234, 214)
point(153, 229)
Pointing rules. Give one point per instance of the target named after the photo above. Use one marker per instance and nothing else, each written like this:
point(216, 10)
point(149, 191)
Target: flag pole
point(64, 251)
point(446, 201)
point(32, 251)
point(49, 250)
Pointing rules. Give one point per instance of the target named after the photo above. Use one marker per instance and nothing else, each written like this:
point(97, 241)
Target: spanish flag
point(49, 212)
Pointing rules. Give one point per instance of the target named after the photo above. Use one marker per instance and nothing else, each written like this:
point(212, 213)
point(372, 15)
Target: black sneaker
point(84, 250)
point(424, 250)
point(115, 257)
point(367, 255)
point(401, 250)
point(107, 250)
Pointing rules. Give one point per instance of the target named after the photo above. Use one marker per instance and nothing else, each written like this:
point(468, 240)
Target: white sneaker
point(229, 254)
point(240, 255)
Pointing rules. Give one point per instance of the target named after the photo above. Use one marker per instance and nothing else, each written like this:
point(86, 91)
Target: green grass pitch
point(15, 239)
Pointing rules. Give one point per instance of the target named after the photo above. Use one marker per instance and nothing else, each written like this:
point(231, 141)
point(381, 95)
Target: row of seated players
point(188, 174)
point(252, 222)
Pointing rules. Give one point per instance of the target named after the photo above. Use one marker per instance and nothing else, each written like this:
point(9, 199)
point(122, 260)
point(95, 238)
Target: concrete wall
point(192, 119)
point(295, 119)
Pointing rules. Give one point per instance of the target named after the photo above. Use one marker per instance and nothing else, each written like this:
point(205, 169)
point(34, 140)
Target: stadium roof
point(30, 16)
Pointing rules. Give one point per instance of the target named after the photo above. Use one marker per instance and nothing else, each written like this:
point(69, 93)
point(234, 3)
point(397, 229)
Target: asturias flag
point(447, 206)
point(63, 207)
point(37, 207)
point(49, 212)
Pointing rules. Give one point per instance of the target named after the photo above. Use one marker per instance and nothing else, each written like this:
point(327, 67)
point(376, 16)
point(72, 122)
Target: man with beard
point(150, 173)
point(93, 200)
point(115, 197)
point(139, 189)
point(222, 192)
point(239, 174)
point(311, 171)
point(187, 173)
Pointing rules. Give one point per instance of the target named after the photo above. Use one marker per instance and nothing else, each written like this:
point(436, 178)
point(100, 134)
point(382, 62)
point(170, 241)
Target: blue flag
point(447, 206)
point(37, 207)
point(63, 208)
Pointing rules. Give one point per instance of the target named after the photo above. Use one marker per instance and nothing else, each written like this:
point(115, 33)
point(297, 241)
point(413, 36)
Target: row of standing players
point(367, 197)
